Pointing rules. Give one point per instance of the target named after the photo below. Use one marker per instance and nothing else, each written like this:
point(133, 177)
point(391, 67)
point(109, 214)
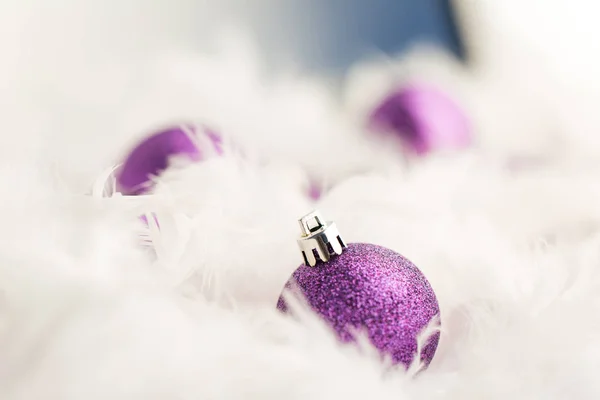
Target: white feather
point(94, 304)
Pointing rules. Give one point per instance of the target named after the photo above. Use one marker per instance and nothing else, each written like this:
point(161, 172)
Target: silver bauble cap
point(320, 240)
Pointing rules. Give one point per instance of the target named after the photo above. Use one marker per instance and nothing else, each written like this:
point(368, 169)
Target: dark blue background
point(331, 34)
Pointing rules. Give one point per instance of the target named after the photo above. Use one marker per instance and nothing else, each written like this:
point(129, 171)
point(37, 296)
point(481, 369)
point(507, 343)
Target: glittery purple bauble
point(424, 117)
point(151, 156)
point(374, 289)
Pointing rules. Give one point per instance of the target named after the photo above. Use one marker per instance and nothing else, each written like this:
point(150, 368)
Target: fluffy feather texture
point(89, 311)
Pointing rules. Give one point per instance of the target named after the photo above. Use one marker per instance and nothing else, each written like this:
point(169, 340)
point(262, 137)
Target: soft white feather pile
point(88, 311)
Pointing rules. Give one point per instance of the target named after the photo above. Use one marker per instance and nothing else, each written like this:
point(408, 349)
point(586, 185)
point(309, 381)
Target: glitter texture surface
point(151, 156)
point(376, 290)
point(424, 117)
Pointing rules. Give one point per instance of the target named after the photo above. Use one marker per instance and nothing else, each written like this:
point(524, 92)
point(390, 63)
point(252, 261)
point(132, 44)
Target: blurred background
point(76, 73)
point(332, 35)
point(87, 40)
point(312, 34)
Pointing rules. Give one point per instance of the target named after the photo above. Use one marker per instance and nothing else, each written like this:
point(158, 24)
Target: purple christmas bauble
point(424, 118)
point(151, 156)
point(373, 289)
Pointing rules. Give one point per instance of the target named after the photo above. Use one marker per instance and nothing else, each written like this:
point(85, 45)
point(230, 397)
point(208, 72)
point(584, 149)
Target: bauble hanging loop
point(320, 240)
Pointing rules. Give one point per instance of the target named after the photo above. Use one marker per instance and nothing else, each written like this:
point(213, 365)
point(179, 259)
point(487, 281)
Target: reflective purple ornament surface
point(424, 117)
point(151, 156)
point(368, 288)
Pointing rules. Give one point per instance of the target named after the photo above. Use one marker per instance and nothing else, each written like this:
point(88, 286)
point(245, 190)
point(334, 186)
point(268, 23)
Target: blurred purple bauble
point(152, 156)
point(374, 289)
point(425, 118)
